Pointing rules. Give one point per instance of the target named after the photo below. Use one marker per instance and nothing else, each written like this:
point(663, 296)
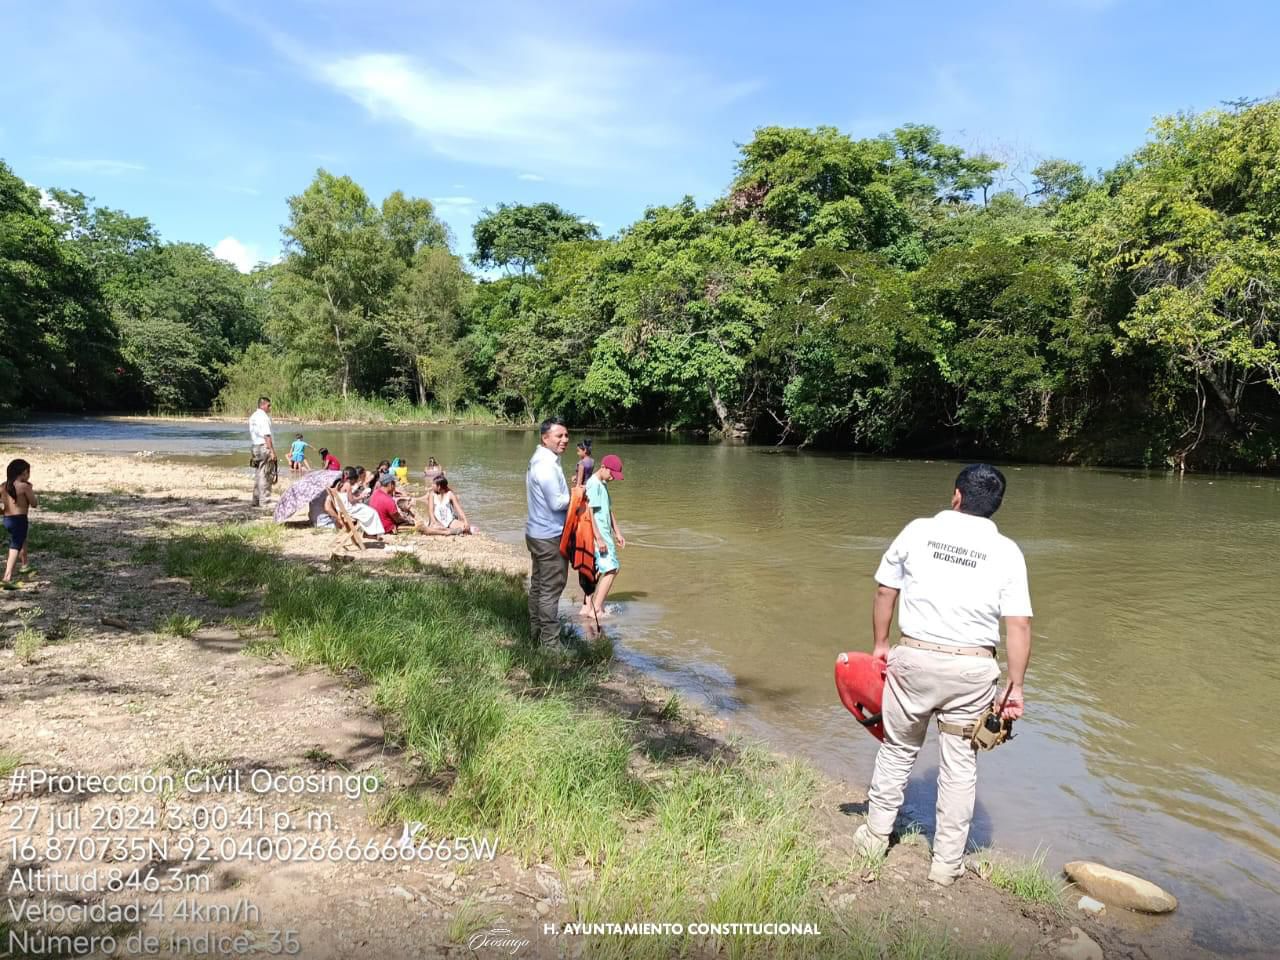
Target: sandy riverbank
point(139, 673)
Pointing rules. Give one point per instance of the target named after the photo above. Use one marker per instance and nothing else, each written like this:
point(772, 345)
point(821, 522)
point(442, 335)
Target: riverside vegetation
point(892, 294)
point(637, 807)
point(726, 835)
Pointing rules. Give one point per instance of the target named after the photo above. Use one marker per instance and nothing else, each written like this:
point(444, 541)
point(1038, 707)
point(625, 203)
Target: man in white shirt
point(956, 576)
point(264, 451)
point(547, 495)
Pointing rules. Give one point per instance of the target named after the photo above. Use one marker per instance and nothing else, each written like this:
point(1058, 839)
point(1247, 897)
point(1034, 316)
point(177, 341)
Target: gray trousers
point(546, 583)
point(262, 474)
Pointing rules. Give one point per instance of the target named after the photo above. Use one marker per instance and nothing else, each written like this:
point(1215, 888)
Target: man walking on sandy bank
point(957, 576)
point(547, 495)
point(264, 452)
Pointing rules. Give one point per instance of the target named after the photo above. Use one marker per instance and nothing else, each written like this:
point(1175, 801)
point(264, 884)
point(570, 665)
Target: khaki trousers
point(262, 474)
point(546, 583)
point(920, 684)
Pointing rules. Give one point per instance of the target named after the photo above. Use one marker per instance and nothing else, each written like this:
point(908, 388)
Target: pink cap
point(613, 464)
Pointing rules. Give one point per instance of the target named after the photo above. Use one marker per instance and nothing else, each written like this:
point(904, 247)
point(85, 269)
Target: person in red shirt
point(330, 461)
point(383, 502)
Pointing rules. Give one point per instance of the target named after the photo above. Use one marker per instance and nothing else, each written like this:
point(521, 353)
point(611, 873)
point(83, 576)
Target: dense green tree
point(848, 353)
point(61, 348)
point(522, 235)
point(423, 320)
point(1185, 243)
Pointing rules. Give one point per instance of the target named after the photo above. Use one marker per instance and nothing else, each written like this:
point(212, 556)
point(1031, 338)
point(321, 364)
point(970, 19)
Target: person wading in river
point(957, 576)
point(547, 496)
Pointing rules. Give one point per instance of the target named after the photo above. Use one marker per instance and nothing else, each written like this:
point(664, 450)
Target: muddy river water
point(1151, 740)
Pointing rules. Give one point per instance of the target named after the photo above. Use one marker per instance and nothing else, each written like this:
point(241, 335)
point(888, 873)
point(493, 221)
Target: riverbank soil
point(263, 823)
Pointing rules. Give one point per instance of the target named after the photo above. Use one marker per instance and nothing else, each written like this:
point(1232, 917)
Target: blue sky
point(206, 116)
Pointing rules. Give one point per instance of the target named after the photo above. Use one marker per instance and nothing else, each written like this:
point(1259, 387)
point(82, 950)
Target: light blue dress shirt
point(547, 494)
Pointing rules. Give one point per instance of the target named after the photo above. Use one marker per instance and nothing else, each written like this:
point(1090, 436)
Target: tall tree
point(61, 350)
point(522, 235)
point(345, 261)
point(422, 322)
point(1190, 236)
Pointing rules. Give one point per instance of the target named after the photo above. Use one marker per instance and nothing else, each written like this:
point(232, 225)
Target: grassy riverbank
point(609, 800)
point(512, 742)
point(677, 829)
point(333, 408)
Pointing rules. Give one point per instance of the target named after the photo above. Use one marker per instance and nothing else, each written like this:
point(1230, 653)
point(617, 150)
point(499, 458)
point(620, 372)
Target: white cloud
point(110, 168)
point(531, 177)
point(537, 104)
point(454, 201)
point(241, 256)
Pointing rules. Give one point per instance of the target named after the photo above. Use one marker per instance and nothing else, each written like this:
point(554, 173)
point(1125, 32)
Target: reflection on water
point(1150, 738)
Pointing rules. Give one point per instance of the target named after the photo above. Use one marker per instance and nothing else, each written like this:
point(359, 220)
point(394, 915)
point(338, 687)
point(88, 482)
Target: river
point(1150, 741)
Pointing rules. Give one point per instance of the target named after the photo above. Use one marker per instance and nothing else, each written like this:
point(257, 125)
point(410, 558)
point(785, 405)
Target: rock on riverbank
point(1120, 889)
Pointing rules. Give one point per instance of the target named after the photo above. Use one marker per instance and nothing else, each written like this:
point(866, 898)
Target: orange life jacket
point(578, 542)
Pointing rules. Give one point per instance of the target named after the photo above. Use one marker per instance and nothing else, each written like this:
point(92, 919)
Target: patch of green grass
point(60, 541)
point(223, 562)
point(405, 563)
point(148, 551)
point(179, 625)
point(671, 709)
point(27, 644)
point(68, 502)
point(470, 918)
point(1025, 878)
point(28, 641)
point(8, 763)
point(77, 580)
point(867, 866)
point(352, 408)
point(64, 630)
point(911, 835)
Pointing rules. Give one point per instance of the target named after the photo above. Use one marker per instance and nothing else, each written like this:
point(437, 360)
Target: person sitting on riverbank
point(609, 538)
point(956, 576)
point(329, 461)
point(383, 502)
point(361, 513)
point(380, 471)
point(18, 497)
point(445, 516)
point(298, 455)
point(363, 488)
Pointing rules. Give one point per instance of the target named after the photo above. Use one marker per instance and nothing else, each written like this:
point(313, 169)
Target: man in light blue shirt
point(547, 496)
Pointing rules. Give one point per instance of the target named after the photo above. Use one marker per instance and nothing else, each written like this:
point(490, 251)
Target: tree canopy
point(891, 293)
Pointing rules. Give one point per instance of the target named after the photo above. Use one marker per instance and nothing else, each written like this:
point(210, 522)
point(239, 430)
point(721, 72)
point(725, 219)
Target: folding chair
point(350, 533)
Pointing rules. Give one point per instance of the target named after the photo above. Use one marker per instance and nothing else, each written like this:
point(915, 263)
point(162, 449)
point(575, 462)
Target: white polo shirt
point(259, 427)
point(958, 576)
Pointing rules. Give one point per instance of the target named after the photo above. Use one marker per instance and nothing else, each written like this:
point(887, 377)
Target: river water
point(1150, 741)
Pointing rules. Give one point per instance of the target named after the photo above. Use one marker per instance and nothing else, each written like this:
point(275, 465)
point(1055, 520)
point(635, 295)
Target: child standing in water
point(297, 454)
point(18, 498)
